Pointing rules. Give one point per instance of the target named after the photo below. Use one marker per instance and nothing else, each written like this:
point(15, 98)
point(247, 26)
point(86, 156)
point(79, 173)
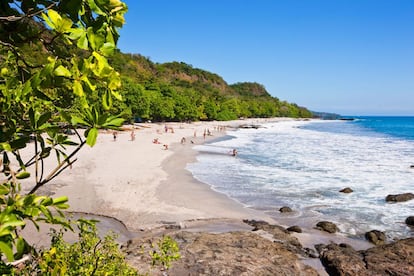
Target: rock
point(410, 221)
point(399, 197)
point(396, 258)
point(294, 228)
point(233, 253)
point(327, 226)
point(279, 234)
point(285, 209)
point(346, 190)
point(376, 237)
point(341, 260)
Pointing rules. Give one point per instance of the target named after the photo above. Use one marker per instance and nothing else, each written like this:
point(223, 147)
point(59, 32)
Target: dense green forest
point(176, 91)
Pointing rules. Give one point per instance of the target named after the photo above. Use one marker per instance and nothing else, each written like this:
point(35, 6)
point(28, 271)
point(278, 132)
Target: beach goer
point(234, 152)
point(165, 146)
point(114, 134)
point(155, 141)
point(132, 135)
point(183, 140)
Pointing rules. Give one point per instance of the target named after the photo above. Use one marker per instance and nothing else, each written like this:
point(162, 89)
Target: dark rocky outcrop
point(410, 221)
point(294, 228)
point(285, 209)
point(232, 253)
point(376, 237)
point(396, 258)
point(399, 197)
point(346, 190)
point(341, 259)
point(327, 226)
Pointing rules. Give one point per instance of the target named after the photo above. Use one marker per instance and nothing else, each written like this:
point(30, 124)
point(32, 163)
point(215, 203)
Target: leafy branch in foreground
point(53, 70)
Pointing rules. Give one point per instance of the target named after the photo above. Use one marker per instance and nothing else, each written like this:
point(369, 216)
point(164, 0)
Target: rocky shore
point(233, 247)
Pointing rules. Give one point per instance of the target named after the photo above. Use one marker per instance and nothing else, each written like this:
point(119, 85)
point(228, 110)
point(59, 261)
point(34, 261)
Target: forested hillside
point(176, 91)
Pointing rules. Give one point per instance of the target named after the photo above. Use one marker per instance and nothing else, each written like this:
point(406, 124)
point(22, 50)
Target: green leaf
point(13, 224)
point(59, 200)
point(48, 21)
point(32, 118)
point(77, 88)
point(62, 206)
point(21, 246)
point(43, 118)
point(114, 122)
point(23, 175)
point(107, 49)
point(20, 143)
point(78, 120)
point(4, 190)
point(54, 18)
point(62, 71)
point(107, 100)
point(92, 136)
point(83, 42)
point(7, 250)
point(5, 146)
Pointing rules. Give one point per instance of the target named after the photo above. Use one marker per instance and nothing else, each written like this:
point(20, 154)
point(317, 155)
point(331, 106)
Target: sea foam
point(292, 164)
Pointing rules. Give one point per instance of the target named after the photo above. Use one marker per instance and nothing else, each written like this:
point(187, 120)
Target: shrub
point(90, 255)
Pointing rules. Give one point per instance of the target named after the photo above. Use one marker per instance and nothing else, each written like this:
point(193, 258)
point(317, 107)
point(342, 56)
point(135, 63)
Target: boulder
point(294, 228)
point(341, 259)
point(376, 237)
point(327, 226)
point(410, 221)
point(399, 197)
point(396, 258)
point(285, 209)
point(279, 235)
point(346, 190)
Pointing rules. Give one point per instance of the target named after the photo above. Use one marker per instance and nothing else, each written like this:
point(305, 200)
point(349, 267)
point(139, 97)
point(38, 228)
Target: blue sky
point(352, 57)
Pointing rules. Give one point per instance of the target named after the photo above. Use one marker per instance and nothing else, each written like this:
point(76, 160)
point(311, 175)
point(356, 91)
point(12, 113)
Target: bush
point(90, 255)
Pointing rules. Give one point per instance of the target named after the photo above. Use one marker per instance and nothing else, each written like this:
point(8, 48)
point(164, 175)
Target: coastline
point(145, 186)
point(142, 184)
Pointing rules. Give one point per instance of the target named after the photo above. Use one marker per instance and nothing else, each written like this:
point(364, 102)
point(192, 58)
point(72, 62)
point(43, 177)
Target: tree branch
point(59, 168)
point(14, 18)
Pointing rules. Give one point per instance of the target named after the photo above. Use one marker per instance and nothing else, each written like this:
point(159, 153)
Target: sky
point(351, 57)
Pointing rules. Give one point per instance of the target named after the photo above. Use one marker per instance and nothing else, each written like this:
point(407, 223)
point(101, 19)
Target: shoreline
point(144, 186)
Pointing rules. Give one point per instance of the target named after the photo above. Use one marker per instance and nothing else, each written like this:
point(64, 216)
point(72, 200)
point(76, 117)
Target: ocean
point(304, 165)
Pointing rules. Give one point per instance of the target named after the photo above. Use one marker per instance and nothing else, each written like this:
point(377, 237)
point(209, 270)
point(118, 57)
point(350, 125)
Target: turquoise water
point(304, 164)
point(397, 127)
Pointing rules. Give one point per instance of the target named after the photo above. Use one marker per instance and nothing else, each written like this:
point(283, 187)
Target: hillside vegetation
point(175, 91)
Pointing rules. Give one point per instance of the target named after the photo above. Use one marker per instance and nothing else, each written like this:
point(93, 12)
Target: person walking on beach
point(132, 135)
point(183, 140)
point(114, 135)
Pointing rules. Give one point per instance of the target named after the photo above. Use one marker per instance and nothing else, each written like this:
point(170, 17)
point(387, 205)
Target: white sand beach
point(143, 184)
